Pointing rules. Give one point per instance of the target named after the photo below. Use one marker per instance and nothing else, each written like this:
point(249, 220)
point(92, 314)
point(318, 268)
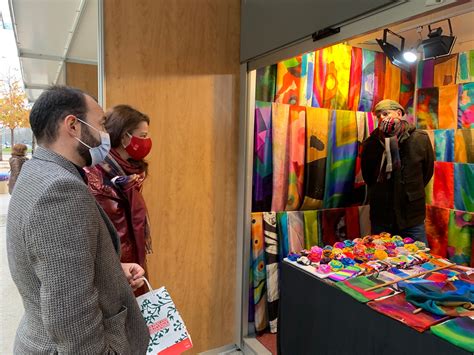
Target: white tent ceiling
point(48, 34)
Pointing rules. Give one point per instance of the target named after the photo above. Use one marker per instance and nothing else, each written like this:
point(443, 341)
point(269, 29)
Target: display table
point(317, 318)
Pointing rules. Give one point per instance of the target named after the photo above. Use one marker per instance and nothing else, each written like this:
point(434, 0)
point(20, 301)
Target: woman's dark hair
point(122, 119)
point(19, 149)
point(51, 107)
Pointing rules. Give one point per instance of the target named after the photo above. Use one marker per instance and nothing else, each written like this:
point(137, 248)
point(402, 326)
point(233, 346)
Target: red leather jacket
point(117, 206)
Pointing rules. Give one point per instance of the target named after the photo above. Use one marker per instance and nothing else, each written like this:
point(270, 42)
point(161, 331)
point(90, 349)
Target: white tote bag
point(168, 334)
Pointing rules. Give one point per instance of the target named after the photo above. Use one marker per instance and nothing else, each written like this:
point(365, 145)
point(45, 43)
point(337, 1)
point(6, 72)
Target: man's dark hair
point(53, 105)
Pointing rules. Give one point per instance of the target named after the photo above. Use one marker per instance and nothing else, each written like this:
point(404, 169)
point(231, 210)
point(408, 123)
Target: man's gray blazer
point(63, 259)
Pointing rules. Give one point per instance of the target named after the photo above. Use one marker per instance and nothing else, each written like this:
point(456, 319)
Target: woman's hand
point(134, 273)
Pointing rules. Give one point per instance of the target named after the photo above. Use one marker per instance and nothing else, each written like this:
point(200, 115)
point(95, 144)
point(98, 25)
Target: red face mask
point(138, 148)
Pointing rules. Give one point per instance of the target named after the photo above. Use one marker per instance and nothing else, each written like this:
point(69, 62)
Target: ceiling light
point(410, 56)
point(438, 45)
point(393, 53)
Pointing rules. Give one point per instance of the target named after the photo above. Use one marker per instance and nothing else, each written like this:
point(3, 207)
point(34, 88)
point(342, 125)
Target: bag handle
point(147, 283)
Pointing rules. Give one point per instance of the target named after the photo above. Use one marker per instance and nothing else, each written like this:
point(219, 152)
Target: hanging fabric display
point(342, 153)
point(464, 146)
point(319, 82)
point(296, 151)
point(458, 331)
point(464, 187)
point(443, 185)
point(437, 219)
point(364, 220)
point(271, 261)
point(365, 126)
point(445, 70)
point(448, 106)
point(338, 65)
point(283, 243)
point(367, 85)
point(444, 145)
point(425, 73)
point(466, 106)
point(295, 231)
point(407, 92)
point(311, 229)
point(355, 79)
point(262, 163)
point(427, 108)
point(259, 272)
point(307, 77)
point(460, 235)
point(288, 81)
point(317, 123)
point(392, 81)
point(398, 308)
point(380, 74)
point(465, 67)
point(280, 121)
point(266, 83)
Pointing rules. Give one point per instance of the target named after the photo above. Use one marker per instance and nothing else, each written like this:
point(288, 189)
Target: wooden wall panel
point(83, 76)
point(178, 61)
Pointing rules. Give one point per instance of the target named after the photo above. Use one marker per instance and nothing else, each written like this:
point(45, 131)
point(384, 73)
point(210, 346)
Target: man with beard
point(397, 162)
point(62, 248)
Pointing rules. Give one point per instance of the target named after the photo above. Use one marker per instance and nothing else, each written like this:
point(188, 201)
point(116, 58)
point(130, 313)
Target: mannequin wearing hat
point(397, 162)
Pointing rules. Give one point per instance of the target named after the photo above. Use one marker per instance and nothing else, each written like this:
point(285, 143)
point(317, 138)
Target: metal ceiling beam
point(56, 58)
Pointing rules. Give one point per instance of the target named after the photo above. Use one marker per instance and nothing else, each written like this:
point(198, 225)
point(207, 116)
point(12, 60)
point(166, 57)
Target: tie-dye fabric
point(443, 185)
point(283, 242)
point(338, 64)
point(392, 81)
point(460, 235)
point(445, 70)
point(280, 122)
point(427, 108)
point(295, 231)
point(436, 223)
point(398, 308)
point(342, 153)
point(464, 187)
point(307, 78)
point(464, 146)
point(448, 106)
point(444, 145)
point(266, 83)
point(262, 162)
point(407, 92)
point(319, 83)
point(288, 81)
point(425, 73)
point(271, 260)
point(364, 220)
point(296, 151)
point(317, 125)
point(356, 287)
point(466, 106)
point(312, 235)
point(465, 67)
point(355, 79)
point(259, 272)
point(458, 331)
point(379, 77)
point(367, 84)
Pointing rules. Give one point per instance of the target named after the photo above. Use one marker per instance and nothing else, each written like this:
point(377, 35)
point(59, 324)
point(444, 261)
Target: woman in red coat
point(117, 182)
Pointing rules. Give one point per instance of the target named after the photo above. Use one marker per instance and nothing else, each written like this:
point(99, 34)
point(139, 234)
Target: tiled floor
point(11, 307)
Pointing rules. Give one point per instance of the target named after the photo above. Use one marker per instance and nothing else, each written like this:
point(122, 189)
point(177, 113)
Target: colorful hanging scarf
point(307, 78)
point(379, 77)
point(338, 64)
point(355, 79)
point(259, 272)
point(448, 106)
point(445, 70)
point(398, 308)
point(271, 260)
point(444, 145)
point(283, 242)
point(367, 84)
point(458, 331)
point(464, 187)
point(465, 67)
point(460, 237)
point(295, 231)
point(319, 78)
point(129, 178)
point(425, 73)
point(427, 108)
point(266, 83)
point(443, 185)
point(407, 92)
point(262, 161)
point(466, 106)
point(464, 146)
point(312, 235)
point(392, 82)
point(288, 81)
point(436, 223)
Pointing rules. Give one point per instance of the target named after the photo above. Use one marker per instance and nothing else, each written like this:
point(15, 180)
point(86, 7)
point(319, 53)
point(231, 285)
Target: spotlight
point(393, 53)
point(410, 56)
point(438, 45)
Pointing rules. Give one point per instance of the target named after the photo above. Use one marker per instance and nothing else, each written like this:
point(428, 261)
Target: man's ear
point(70, 123)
